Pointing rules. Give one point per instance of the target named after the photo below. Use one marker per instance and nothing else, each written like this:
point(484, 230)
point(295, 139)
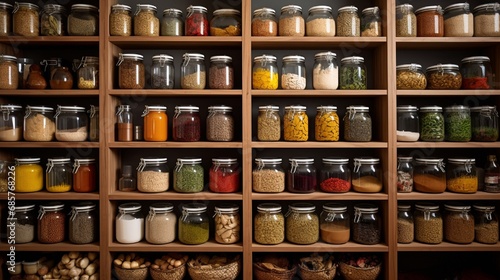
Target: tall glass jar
point(334, 224)
point(129, 223)
point(155, 123)
point(408, 129)
point(9, 73)
point(23, 66)
point(268, 175)
point(410, 76)
point(293, 72)
point(194, 224)
point(188, 175)
point(371, 23)
point(161, 223)
point(51, 223)
point(84, 175)
point(429, 175)
point(428, 223)
point(487, 20)
point(268, 123)
point(458, 124)
point(335, 175)
point(458, 223)
point(443, 76)
point(131, 72)
point(83, 224)
point(484, 123)
point(486, 224)
point(71, 123)
point(120, 20)
point(88, 73)
point(291, 22)
point(265, 72)
point(5, 167)
point(406, 21)
point(94, 123)
point(431, 124)
point(302, 224)
point(172, 23)
point(348, 23)
point(301, 175)
point(221, 73)
point(264, 22)
point(406, 232)
point(476, 72)
point(124, 123)
point(366, 226)
point(461, 175)
point(352, 73)
point(320, 22)
point(227, 224)
point(225, 22)
point(193, 74)
point(430, 21)
point(152, 175)
point(220, 123)
point(357, 124)
point(29, 175)
point(11, 123)
point(325, 71)
point(5, 19)
point(269, 224)
point(25, 223)
point(196, 21)
point(186, 124)
point(405, 174)
point(26, 19)
point(224, 175)
point(295, 123)
point(326, 124)
point(58, 175)
point(145, 21)
point(53, 20)
point(367, 175)
point(83, 20)
point(458, 20)
point(39, 124)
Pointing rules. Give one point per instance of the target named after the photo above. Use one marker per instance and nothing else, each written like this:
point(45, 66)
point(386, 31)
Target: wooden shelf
point(172, 144)
point(437, 145)
point(318, 93)
point(313, 42)
point(170, 42)
point(284, 196)
point(210, 246)
point(49, 92)
point(45, 195)
point(480, 195)
point(53, 144)
point(172, 195)
point(461, 92)
point(52, 41)
point(445, 42)
point(320, 247)
point(316, 144)
point(447, 247)
point(57, 247)
point(175, 92)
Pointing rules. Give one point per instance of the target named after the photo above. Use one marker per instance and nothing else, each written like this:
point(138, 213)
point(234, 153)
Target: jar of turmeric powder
point(295, 123)
point(429, 175)
point(461, 176)
point(265, 72)
point(367, 175)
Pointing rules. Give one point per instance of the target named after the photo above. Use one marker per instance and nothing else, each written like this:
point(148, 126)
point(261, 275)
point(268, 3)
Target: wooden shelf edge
point(50, 40)
point(45, 195)
point(480, 195)
point(460, 92)
point(316, 144)
point(432, 145)
point(210, 246)
point(52, 144)
point(444, 42)
point(306, 93)
point(57, 247)
point(175, 92)
point(49, 92)
point(447, 247)
point(171, 195)
point(172, 144)
point(320, 247)
point(284, 196)
point(197, 42)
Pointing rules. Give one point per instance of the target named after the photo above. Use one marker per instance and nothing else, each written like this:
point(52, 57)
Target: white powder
point(327, 78)
point(72, 135)
point(407, 136)
point(129, 229)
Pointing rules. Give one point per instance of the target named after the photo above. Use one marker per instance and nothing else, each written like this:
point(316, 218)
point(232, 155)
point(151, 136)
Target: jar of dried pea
point(265, 72)
point(269, 224)
point(302, 224)
point(461, 176)
point(268, 123)
point(295, 123)
point(326, 124)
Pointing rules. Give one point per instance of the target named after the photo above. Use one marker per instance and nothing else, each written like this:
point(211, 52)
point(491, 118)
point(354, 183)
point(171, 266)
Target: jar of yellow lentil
point(28, 175)
point(295, 123)
point(269, 123)
point(326, 124)
point(461, 175)
point(265, 72)
point(59, 175)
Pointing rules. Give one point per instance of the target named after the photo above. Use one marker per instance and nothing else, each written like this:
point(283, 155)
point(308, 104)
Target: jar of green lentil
point(188, 175)
point(269, 224)
point(302, 224)
point(431, 124)
point(194, 224)
point(461, 176)
point(428, 223)
point(458, 124)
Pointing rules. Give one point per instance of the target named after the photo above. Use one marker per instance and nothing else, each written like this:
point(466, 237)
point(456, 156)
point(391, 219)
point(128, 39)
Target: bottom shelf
point(448, 247)
point(176, 246)
point(320, 247)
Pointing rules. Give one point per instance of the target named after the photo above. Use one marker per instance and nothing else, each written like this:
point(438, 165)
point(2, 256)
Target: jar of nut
point(26, 19)
point(83, 20)
point(5, 19)
point(291, 22)
point(53, 20)
point(268, 123)
point(268, 175)
point(348, 23)
point(410, 76)
point(131, 73)
point(88, 73)
point(302, 224)
point(120, 20)
point(269, 224)
point(458, 223)
point(227, 224)
point(406, 21)
point(220, 123)
point(264, 22)
point(145, 21)
point(443, 76)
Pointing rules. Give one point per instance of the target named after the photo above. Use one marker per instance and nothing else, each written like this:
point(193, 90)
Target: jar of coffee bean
point(366, 226)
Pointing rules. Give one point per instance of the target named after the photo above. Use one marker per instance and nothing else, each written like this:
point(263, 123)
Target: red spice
point(196, 25)
point(475, 83)
point(224, 182)
point(335, 185)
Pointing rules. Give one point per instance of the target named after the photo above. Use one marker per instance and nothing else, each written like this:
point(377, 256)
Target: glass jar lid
point(189, 108)
point(69, 109)
point(484, 208)
point(218, 161)
point(154, 108)
point(301, 207)
point(221, 58)
point(457, 6)
point(487, 110)
point(162, 58)
point(462, 160)
point(8, 108)
point(370, 11)
point(5, 5)
point(194, 208)
point(457, 108)
point(365, 208)
point(81, 161)
point(191, 9)
point(405, 159)
point(334, 207)
point(457, 207)
point(226, 209)
point(352, 59)
point(83, 207)
point(172, 11)
point(182, 161)
point(39, 109)
point(226, 12)
point(187, 56)
point(296, 108)
point(263, 161)
point(332, 160)
point(404, 207)
point(325, 55)
point(407, 108)
point(129, 207)
point(149, 161)
point(427, 206)
point(269, 208)
point(56, 161)
point(327, 108)
point(357, 109)
point(293, 58)
point(269, 108)
point(436, 8)
point(429, 160)
point(25, 4)
point(265, 58)
point(27, 160)
point(54, 8)
point(291, 8)
point(83, 7)
point(51, 206)
point(122, 108)
point(351, 9)
point(296, 161)
point(320, 8)
point(129, 56)
point(361, 161)
point(475, 59)
point(121, 7)
point(161, 208)
point(410, 66)
point(442, 67)
point(404, 7)
point(220, 108)
point(24, 208)
point(263, 11)
point(428, 109)
point(489, 7)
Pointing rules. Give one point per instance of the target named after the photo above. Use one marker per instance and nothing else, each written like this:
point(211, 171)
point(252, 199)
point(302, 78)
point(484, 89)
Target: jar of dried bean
point(83, 20)
point(291, 22)
point(120, 20)
point(406, 21)
point(268, 123)
point(196, 21)
point(220, 123)
point(186, 124)
point(5, 19)
point(172, 23)
point(265, 72)
point(458, 223)
point(71, 123)
point(129, 223)
point(371, 23)
point(94, 123)
point(264, 22)
point(334, 224)
point(226, 22)
point(84, 175)
point(227, 224)
point(83, 224)
point(429, 175)
point(152, 175)
point(320, 22)
point(51, 223)
point(326, 124)
point(11, 123)
point(487, 20)
point(335, 175)
point(486, 224)
point(431, 124)
point(357, 124)
point(53, 20)
point(269, 224)
point(194, 224)
point(430, 21)
point(26, 19)
point(352, 73)
point(476, 73)
point(293, 72)
point(302, 224)
point(458, 123)
point(428, 223)
point(188, 175)
point(25, 223)
point(405, 174)
point(162, 72)
point(145, 21)
point(458, 20)
point(131, 74)
point(29, 175)
point(484, 123)
point(59, 176)
point(410, 76)
point(406, 232)
point(221, 73)
point(9, 73)
point(161, 223)
point(443, 76)
point(193, 74)
point(366, 226)
point(348, 23)
point(88, 73)
point(461, 176)
point(407, 123)
point(268, 175)
point(124, 123)
point(224, 175)
point(295, 123)
point(325, 71)
point(38, 123)
point(301, 175)
point(155, 123)
point(367, 175)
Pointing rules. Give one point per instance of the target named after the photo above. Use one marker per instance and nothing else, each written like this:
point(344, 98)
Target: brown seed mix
point(220, 77)
point(407, 79)
point(51, 227)
point(438, 80)
point(428, 231)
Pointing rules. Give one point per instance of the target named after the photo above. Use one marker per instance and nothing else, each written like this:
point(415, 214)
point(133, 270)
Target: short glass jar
point(83, 224)
point(131, 72)
point(124, 123)
point(194, 224)
point(366, 225)
point(120, 20)
point(188, 175)
point(269, 224)
point(25, 223)
point(291, 22)
point(9, 73)
point(325, 71)
point(406, 21)
point(268, 123)
point(53, 20)
point(476, 73)
point(293, 72)
point(264, 22)
point(129, 223)
point(405, 174)
point(227, 224)
point(486, 224)
point(29, 175)
point(405, 224)
point(221, 73)
point(5, 19)
point(61, 78)
point(461, 176)
point(335, 175)
point(39, 124)
point(357, 124)
point(11, 123)
point(295, 123)
point(410, 76)
point(224, 175)
point(326, 124)
point(225, 22)
point(458, 223)
point(162, 72)
point(353, 75)
point(268, 176)
point(220, 123)
point(193, 74)
point(152, 175)
point(432, 124)
point(88, 73)
point(367, 175)
point(161, 224)
point(429, 175)
point(334, 224)
point(51, 223)
point(487, 20)
point(265, 72)
point(443, 76)
point(458, 20)
point(58, 175)
point(320, 22)
point(186, 124)
point(458, 123)
point(371, 22)
point(83, 20)
point(430, 21)
point(94, 123)
point(26, 19)
point(302, 224)
point(84, 175)
point(71, 123)
point(484, 123)
point(428, 223)
point(407, 123)
point(172, 23)
point(348, 22)
point(301, 175)
point(155, 123)
point(146, 23)
point(196, 21)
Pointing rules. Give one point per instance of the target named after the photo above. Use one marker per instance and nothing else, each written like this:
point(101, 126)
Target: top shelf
point(57, 41)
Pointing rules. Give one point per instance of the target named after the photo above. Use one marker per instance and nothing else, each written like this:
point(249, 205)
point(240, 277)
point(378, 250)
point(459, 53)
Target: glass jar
point(458, 20)
point(29, 175)
point(325, 71)
point(301, 175)
point(51, 223)
point(120, 20)
point(127, 182)
point(58, 176)
point(326, 124)
point(221, 73)
point(458, 223)
point(432, 124)
point(225, 22)
point(486, 224)
point(188, 175)
point(334, 224)
point(23, 66)
point(194, 224)
point(461, 176)
point(366, 226)
point(227, 224)
point(186, 124)
point(264, 22)
point(410, 76)
point(162, 72)
point(71, 123)
point(269, 224)
point(38, 124)
point(443, 76)
point(367, 175)
point(124, 123)
point(291, 22)
point(155, 123)
point(430, 21)
point(428, 223)
point(129, 223)
point(131, 72)
point(487, 20)
point(429, 175)
point(5, 167)
point(220, 123)
point(5, 19)
point(196, 21)
point(61, 78)
point(84, 175)
point(293, 72)
point(94, 123)
point(484, 123)
point(53, 20)
point(268, 175)
point(172, 23)
point(458, 124)
point(476, 73)
point(11, 123)
point(49, 66)
point(88, 73)
point(193, 74)
point(302, 224)
point(407, 123)
point(145, 21)
point(371, 23)
point(83, 224)
point(295, 123)
point(152, 175)
point(335, 175)
point(405, 174)
point(265, 72)
point(357, 124)
point(224, 175)
point(268, 123)
point(26, 19)
point(320, 22)
point(406, 21)
point(352, 73)
point(83, 20)
point(25, 223)
point(348, 23)
point(405, 224)
point(161, 223)
point(9, 73)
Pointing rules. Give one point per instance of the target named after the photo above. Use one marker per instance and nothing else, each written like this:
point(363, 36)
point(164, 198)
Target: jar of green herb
point(193, 224)
point(458, 124)
point(188, 175)
point(352, 73)
point(431, 124)
point(484, 123)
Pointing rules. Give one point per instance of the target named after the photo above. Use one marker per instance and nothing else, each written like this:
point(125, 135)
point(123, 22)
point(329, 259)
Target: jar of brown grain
point(9, 74)
point(51, 223)
point(131, 73)
point(428, 223)
point(25, 19)
point(264, 22)
point(430, 21)
point(458, 223)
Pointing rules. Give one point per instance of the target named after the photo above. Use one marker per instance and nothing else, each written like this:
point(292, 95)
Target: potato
point(120, 257)
point(91, 269)
point(65, 259)
point(75, 271)
point(134, 265)
point(177, 263)
point(117, 262)
point(73, 255)
point(43, 270)
point(84, 277)
point(94, 276)
point(84, 262)
point(64, 272)
point(71, 264)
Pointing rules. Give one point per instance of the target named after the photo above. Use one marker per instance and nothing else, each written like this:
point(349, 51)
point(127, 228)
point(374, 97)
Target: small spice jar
point(88, 73)
point(196, 21)
point(484, 123)
point(367, 175)
point(227, 224)
point(124, 123)
point(265, 72)
point(58, 175)
point(410, 76)
point(120, 20)
point(326, 124)
point(129, 223)
point(25, 223)
point(220, 123)
point(461, 176)
point(458, 20)
point(29, 175)
point(224, 175)
point(11, 123)
point(295, 123)
point(193, 74)
point(428, 223)
point(268, 123)
point(405, 224)
point(38, 124)
point(71, 123)
point(431, 124)
point(357, 124)
point(26, 19)
point(5, 19)
point(172, 23)
point(407, 123)
point(335, 175)
point(366, 226)
point(348, 23)
point(194, 224)
point(188, 175)
point(371, 23)
point(186, 124)
point(458, 223)
point(405, 174)
point(293, 72)
point(325, 71)
point(429, 175)
point(269, 224)
point(131, 72)
point(155, 123)
point(352, 73)
point(53, 20)
point(485, 224)
point(51, 223)
point(486, 23)
point(320, 22)
point(84, 175)
point(302, 224)
point(161, 223)
point(225, 22)
point(9, 73)
point(458, 123)
point(83, 224)
point(301, 175)
point(406, 21)
point(83, 20)
point(221, 73)
point(264, 22)
point(291, 22)
point(94, 123)
point(430, 21)
point(152, 175)
point(162, 72)
point(476, 73)
point(145, 21)
point(334, 224)
point(268, 176)
point(23, 66)
point(443, 76)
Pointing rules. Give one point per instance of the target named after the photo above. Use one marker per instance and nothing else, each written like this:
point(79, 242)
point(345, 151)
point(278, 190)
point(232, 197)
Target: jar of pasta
point(406, 21)
point(265, 72)
point(325, 71)
point(484, 123)
point(186, 124)
point(145, 21)
point(295, 123)
point(357, 124)
point(5, 19)
point(406, 225)
point(293, 72)
point(225, 22)
point(264, 22)
point(458, 123)
point(268, 123)
point(458, 20)
point(291, 22)
point(431, 124)
point(188, 175)
point(486, 20)
point(58, 176)
point(268, 176)
point(367, 175)
point(83, 20)
point(29, 175)
point(51, 223)
point(129, 223)
point(486, 224)
point(429, 175)
point(301, 175)
point(335, 175)
point(461, 176)
point(120, 20)
point(172, 23)
point(220, 123)
point(194, 224)
point(88, 73)
point(366, 226)
point(9, 73)
point(152, 175)
point(26, 19)
point(458, 223)
point(131, 72)
point(83, 224)
point(335, 224)
point(320, 22)
point(193, 74)
point(326, 124)
point(430, 21)
point(53, 20)
point(84, 175)
point(227, 224)
point(161, 223)
point(428, 223)
point(371, 23)
point(269, 224)
point(11, 123)
point(155, 123)
point(302, 224)
point(348, 23)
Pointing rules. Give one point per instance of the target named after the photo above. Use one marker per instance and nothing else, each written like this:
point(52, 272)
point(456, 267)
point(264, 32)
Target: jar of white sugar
point(129, 223)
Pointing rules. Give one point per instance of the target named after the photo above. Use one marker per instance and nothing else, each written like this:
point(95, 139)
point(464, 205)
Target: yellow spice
point(29, 178)
point(59, 188)
point(264, 79)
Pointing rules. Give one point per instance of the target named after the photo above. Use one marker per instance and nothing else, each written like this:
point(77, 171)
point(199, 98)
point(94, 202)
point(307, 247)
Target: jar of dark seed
point(326, 124)
point(486, 224)
point(410, 76)
point(461, 176)
point(129, 223)
point(83, 224)
point(188, 175)
point(295, 123)
point(194, 224)
point(484, 123)
point(458, 223)
point(476, 73)
point(268, 123)
point(220, 123)
point(224, 175)
point(405, 174)
point(357, 124)
point(58, 176)
point(352, 73)
point(371, 23)
point(367, 175)
point(53, 20)
point(458, 123)
point(193, 74)
point(221, 73)
point(264, 22)
point(301, 175)
point(335, 175)
point(83, 20)
point(430, 21)
point(348, 23)
point(407, 123)
point(291, 22)
point(431, 124)
point(334, 224)
point(5, 19)
point(145, 21)
point(186, 124)
point(94, 123)
point(406, 21)
point(405, 224)
point(172, 23)
point(227, 224)
point(152, 175)
point(268, 176)
point(161, 223)
point(320, 22)
point(9, 73)
point(11, 123)
point(225, 22)
point(131, 73)
point(120, 20)
point(443, 76)
point(88, 73)
point(366, 226)
point(26, 19)
point(428, 223)
point(269, 224)
point(486, 23)
point(302, 224)
point(25, 223)
point(162, 72)
point(293, 72)
point(51, 223)
point(458, 20)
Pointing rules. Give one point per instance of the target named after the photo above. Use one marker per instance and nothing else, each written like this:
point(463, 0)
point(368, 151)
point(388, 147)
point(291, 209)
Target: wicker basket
point(323, 274)
point(131, 274)
point(177, 273)
point(357, 273)
point(263, 274)
point(227, 272)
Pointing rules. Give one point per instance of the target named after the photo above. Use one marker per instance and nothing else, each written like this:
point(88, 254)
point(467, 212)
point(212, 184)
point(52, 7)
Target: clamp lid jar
point(295, 123)
point(71, 123)
point(194, 224)
point(366, 226)
point(131, 72)
point(152, 175)
point(406, 231)
point(428, 223)
point(227, 223)
point(371, 23)
point(5, 19)
point(458, 123)
point(486, 20)
point(476, 73)
point(84, 175)
point(53, 20)
point(265, 72)
point(83, 20)
point(59, 175)
point(129, 223)
point(320, 22)
point(120, 20)
point(367, 175)
point(268, 175)
point(264, 22)
point(83, 223)
point(486, 224)
point(269, 123)
point(193, 73)
point(335, 175)
point(38, 123)
point(161, 223)
point(9, 72)
point(29, 175)
point(189, 175)
point(162, 72)
point(484, 123)
point(405, 174)
point(220, 123)
point(269, 224)
point(25, 223)
point(221, 73)
point(88, 73)
point(225, 22)
point(196, 21)
point(410, 76)
point(11, 123)
point(406, 21)
point(348, 23)
point(145, 21)
point(458, 223)
point(407, 123)
point(51, 223)
point(291, 22)
point(432, 124)
point(301, 175)
point(357, 124)
point(293, 72)
point(461, 176)
point(443, 76)
point(458, 20)
point(186, 124)
point(334, 224)
point(26, 19)
point(325, 71)
point(326, 124)
point(430, 21)
point(302, 224)
point(172, 23)
point(224, 175)
point(429, 175)
point(353, 73)
point(155, 123)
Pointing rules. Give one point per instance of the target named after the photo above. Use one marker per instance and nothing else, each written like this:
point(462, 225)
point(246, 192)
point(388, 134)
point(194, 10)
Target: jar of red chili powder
point(224, 175)
point(196, 21)
point(476, 72)
point(335, 175)
point(186, 124)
